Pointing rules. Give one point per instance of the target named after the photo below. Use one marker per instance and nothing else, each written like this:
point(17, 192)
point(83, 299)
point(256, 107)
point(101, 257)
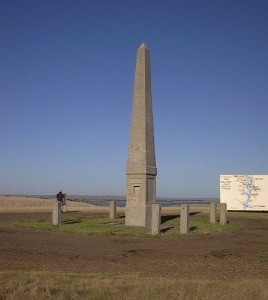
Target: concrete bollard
point(112, 213)
point(184, 219)
point(213, 212)
point(223, 213)
point(56, 213)
point(156, 218)
point(64, 204)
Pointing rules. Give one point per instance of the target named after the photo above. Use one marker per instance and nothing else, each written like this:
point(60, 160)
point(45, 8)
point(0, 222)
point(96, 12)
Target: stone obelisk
point(141, 166)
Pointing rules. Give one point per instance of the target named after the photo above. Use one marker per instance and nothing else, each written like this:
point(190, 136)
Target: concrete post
point(213, 212)
point(223, 212)
point(64, 204)
point(112, 213)
point(56, 213)
point(156, 218)
point(184, 219)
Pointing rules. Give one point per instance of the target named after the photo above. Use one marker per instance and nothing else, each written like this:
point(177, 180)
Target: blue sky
point(66, 90)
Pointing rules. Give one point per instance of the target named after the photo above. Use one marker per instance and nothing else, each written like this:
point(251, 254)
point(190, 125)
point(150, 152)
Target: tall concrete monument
point(141, 166)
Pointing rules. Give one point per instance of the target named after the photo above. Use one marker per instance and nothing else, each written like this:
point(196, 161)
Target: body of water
point(121, 201)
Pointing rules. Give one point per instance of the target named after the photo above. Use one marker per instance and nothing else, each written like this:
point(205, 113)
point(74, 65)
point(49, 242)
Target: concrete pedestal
point(213, 212)
point(138, 215)
point(184, 219)
point(223, 213)
point(112, 212)
point(56, 213)
point(64, 204)
point(156, 218)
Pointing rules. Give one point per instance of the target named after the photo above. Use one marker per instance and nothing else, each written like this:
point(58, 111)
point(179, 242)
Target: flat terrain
point(239, 255)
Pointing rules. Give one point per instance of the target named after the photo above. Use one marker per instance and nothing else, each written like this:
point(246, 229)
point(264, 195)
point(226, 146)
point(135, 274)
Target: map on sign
point(244, 192)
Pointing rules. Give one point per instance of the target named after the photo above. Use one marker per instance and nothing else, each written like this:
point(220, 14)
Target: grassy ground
point(101, 225)
point(248, 214)
point(41, 285)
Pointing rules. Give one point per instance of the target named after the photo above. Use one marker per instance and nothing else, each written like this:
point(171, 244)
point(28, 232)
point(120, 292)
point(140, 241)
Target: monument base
point(138, 215)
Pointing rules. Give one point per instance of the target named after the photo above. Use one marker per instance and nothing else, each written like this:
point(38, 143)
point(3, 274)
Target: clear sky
point(66, 91)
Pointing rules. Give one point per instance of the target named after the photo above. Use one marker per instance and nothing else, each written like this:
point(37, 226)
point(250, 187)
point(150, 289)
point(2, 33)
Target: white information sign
point(244, 192)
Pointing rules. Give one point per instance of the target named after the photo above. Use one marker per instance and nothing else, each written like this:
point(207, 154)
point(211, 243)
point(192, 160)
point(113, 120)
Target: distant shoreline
point(103, 200)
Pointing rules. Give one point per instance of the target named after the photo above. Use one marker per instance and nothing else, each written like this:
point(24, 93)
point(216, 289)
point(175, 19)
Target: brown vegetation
point(32, 204)
point(53, 265)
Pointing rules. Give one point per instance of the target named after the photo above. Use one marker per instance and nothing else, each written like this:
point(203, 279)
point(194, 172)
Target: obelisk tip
point(143, 45)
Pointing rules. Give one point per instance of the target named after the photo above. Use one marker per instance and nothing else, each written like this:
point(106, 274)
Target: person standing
point(60, 196)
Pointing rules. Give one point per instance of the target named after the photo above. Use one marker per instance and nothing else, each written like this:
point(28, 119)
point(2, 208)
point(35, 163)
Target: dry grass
point(19, 204)
point(43, 285)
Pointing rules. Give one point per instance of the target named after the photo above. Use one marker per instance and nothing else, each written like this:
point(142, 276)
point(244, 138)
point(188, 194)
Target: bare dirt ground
point(233, 256)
